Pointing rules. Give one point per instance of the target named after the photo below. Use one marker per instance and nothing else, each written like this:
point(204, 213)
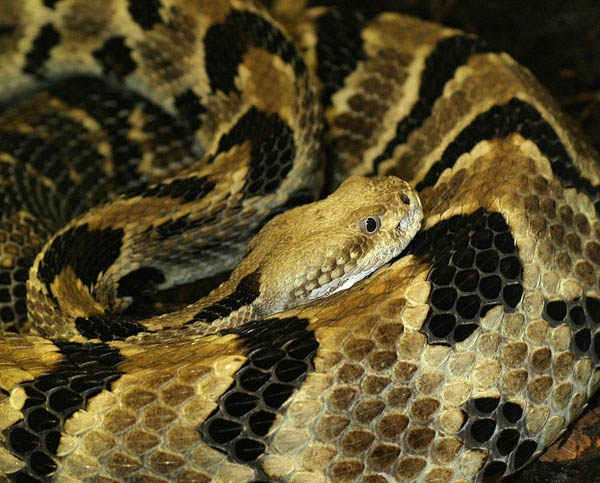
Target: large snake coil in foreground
point(144, 143)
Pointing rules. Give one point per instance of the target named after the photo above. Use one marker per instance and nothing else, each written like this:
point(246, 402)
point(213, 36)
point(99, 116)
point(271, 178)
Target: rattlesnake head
point(318, 249)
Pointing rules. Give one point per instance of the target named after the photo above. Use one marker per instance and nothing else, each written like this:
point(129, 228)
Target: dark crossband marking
point(51, 400)
point(10, 198)
point(182, 224)
point(582, 315)
point(111, 107)
point(40, 52)
point(494, 469)
point(88, 252)
point(108, 327)
point(339, 48)
point(7, 30)
point(272, 153)
point(141, 286)
point(32, 149)
point(246, 292)
point(115, 58)
point(59, 144)
point(523, 118)
point(224, 52)
point(22, 146)
point(66, 139)
point(475, 267)
point(51, 3)
point(13, 293)
point(280, 354)
point(188, 189)
point(510, 448)
point(145, 12)
point(449, 54)
point(190, 109)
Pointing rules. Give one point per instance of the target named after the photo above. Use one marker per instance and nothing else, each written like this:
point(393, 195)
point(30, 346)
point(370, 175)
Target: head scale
point(318, 249)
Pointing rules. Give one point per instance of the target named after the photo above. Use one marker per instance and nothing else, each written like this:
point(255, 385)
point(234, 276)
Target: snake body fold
point(144, 143)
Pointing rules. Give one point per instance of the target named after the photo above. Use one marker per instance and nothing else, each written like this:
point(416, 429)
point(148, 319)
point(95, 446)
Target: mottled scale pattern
point(143, 143)
point(475, 268)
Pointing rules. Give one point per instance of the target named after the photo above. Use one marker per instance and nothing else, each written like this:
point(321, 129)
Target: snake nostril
point(405, 199)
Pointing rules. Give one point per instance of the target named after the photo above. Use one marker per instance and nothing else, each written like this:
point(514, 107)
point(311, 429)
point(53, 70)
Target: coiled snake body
point(191, 124)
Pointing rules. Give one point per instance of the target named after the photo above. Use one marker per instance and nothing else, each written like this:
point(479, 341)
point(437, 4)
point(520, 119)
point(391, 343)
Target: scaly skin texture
point(192, 123)
point(315, 250)
point(304, 254)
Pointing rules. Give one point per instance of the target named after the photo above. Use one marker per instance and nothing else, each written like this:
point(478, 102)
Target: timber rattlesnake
point(461, 360)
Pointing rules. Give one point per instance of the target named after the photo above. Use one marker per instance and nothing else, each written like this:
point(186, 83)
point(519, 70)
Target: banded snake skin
point(198, 121)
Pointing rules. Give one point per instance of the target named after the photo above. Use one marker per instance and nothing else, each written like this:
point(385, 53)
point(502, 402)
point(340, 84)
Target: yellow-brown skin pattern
point(303, 254)
point(298, 265)
point(381, 403)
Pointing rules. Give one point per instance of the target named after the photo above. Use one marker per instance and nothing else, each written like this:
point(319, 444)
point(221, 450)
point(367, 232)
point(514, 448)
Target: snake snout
point(413, 217)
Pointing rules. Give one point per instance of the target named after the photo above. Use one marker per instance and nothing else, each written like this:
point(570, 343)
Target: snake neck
point(301, 255)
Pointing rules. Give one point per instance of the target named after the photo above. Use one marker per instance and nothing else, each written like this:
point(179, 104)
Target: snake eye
point(370, 224)
point(405, 199)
